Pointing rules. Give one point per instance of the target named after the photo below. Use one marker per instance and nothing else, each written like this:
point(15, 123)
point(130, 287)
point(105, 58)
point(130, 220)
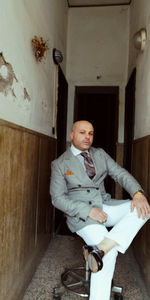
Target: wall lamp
point(140, 38)
point(57, 56)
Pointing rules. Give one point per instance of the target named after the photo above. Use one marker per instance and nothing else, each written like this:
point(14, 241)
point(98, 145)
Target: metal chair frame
point(77, 281)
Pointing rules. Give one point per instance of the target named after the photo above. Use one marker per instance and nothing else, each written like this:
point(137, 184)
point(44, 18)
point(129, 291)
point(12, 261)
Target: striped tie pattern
point(90, 170)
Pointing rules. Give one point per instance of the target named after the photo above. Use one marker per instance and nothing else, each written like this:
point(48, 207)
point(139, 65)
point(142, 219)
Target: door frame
point(129, 121)
point(99, 90)
point(62, 103)
point(102, 90)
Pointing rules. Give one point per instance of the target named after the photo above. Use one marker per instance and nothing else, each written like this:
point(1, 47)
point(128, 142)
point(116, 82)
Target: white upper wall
point(140, 18)
point(98, 46)
point(29, 100)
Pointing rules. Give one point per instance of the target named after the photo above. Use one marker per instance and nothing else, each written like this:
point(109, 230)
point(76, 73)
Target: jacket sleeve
point(121, 175)
point(60, 198)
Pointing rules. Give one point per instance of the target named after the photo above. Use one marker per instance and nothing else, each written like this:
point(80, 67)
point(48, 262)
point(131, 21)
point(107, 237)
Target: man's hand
point(140, 202)
point(98, 215)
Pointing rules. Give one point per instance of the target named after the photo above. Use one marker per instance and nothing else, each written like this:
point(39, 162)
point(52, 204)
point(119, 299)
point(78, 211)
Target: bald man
point(77, 188)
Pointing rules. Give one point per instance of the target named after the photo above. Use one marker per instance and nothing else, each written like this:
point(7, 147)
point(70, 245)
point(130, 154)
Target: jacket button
point(90, 202)
point(79, 185)
point(88, 191)
point(97, 188)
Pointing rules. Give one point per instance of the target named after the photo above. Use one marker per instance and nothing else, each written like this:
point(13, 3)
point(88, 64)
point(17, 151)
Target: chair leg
point(118, 297)
point(117, 290)
point(56, 298)
point(58, 292)
point(76, 280)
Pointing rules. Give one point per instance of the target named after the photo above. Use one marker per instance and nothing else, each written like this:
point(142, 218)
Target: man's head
point(82, 135)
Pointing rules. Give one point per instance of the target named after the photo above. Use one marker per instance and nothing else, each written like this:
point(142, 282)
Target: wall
point(98, 46)
point(28, 97)
point(140, 18)
point(27, 100)
point(26, 214)
point(141, 244)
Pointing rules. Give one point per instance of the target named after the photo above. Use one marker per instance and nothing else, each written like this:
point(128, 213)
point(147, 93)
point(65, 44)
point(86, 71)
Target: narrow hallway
point(64, 252)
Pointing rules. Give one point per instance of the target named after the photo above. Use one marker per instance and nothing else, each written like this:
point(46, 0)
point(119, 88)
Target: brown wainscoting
point(26, 213)
point(141, 170)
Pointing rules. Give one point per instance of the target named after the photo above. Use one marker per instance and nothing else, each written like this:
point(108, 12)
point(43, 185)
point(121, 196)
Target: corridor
point(101, 59)
point(66, 251)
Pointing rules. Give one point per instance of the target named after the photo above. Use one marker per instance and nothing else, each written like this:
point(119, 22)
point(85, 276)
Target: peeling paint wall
point(9, 84)
point(7, 76)
point(27, 86)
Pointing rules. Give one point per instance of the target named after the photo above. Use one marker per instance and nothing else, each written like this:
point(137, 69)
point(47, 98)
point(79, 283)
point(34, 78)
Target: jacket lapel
point(73, 164)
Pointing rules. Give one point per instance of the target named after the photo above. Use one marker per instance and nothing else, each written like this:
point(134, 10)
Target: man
point(77, 188)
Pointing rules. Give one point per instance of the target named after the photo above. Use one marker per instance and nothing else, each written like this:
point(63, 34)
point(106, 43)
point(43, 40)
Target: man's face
point(82, 135)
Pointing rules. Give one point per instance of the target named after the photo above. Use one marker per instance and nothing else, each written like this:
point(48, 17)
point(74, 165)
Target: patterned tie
point(90, 170)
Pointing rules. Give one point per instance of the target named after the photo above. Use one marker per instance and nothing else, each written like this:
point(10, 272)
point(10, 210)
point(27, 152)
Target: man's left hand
point(143, 208)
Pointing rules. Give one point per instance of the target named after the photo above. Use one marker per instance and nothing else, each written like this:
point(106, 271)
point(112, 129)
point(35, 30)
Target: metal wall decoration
point(39, 47)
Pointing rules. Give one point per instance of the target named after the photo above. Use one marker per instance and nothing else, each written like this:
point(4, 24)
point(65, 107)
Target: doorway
point(129, 124)
point(62, 104)
point(99, 105)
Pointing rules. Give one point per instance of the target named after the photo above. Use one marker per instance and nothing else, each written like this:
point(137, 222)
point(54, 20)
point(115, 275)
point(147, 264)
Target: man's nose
point(87, 136)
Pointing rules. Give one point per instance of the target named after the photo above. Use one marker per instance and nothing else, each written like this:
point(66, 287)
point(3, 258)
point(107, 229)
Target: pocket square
point(69, 173)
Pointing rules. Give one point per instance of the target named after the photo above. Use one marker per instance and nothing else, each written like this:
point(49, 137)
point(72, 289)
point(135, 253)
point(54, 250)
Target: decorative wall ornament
point(39, 47)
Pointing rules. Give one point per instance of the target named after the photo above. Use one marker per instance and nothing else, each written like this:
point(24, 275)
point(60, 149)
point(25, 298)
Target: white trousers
point(125, 225)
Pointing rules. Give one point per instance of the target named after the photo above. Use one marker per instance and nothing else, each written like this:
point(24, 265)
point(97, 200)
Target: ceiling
point(81, 3)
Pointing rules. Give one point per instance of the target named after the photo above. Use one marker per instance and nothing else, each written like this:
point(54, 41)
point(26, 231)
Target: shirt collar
point(76, 151)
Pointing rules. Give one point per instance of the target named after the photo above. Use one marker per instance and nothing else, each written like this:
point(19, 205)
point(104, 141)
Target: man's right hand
point(98, 215)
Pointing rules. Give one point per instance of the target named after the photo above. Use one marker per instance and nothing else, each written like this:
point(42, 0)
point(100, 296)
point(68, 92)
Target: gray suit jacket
point(74, 193)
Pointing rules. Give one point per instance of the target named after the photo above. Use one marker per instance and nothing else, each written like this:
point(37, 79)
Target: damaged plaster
point(7, 75)
point(9, 82)
point(26, 95)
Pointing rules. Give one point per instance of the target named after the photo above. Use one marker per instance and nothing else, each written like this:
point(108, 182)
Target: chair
point(76, 280)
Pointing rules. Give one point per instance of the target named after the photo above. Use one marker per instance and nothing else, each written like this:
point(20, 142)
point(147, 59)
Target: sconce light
point(140, 39)
point(57, 56)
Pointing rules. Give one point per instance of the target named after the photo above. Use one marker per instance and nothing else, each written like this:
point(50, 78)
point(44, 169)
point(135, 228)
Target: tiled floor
point(64, 252)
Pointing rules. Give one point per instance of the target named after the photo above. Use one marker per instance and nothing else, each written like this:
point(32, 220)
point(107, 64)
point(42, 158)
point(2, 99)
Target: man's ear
point(71, 135)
